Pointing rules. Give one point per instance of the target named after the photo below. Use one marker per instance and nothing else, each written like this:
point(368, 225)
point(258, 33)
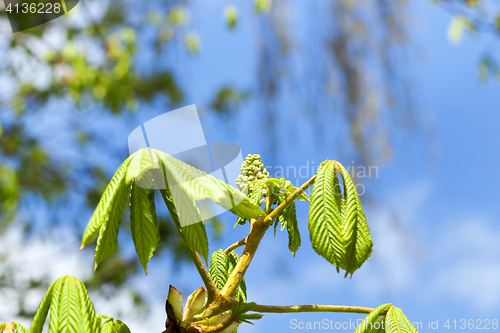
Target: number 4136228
point(471, 324)
point(34, 8)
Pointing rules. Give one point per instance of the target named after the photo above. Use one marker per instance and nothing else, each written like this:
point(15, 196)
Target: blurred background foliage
point(474, 18)
point(348, 63)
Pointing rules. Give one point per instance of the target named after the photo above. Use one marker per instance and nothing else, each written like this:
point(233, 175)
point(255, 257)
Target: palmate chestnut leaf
point(194, 185)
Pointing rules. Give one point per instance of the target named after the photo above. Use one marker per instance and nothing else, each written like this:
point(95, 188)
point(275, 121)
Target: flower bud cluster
point(251, 170)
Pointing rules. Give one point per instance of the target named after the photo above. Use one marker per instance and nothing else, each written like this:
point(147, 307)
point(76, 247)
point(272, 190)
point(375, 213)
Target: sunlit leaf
point(144, 223)
point(240, 312)
point(396, 322)
point(337, 223)
point(71, 310)
point(241, 292)
point(195, 235)
point(231, 16)
point(368, 324)
point(458, 25)
point(110, 206)
point(219, 268)
point(111, 325)
point(288, 219)
point(199, 185)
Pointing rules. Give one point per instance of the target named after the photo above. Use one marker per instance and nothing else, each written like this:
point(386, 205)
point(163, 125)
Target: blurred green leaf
point(231, 16)
point(263, 6)
point(192, 42)
point(227, 100)
point(178, 16)
point(458, 25)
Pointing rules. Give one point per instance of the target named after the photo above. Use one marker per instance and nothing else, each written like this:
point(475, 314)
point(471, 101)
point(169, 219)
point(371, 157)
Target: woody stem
point(259, 228)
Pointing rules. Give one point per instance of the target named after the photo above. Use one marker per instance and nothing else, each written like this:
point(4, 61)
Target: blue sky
point(437, 260)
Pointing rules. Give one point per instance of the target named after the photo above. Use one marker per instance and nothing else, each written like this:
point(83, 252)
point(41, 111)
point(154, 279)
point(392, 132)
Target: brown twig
point(235, 246)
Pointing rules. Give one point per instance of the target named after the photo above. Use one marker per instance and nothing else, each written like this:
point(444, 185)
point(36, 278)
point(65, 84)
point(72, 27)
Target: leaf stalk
point(212, 291)
point(311, 308)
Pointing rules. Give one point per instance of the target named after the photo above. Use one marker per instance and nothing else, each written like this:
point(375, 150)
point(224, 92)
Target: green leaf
point(276, 181)
point(108, 214)
point(358, 243)
point(91, 321)
point(144, 223)
point(286, 185)
point(240, 312)
point(256, 194)
point(57, 291)
point(195, 235)
point(274, 186)
point(219, 268)
point(337, 223)
point(199, 185)
point(497, 26)
point(325, 218)
point(378, 326)
point(263, 6)
point(42, 311)
point(258, 191)
point(303, 197)
point(396, 322)
point(367, 325)
point(109, 205)
point(288, 219)
point(107, 242)
point(231, 16)
point(70, 309)
point(111, 325)
point(142, 162)
point(241, 292)
point(458, 25)
point(244, 208)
